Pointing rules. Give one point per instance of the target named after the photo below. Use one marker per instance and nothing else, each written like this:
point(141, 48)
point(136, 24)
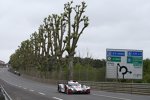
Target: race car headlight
point(70, 88)
point(84, 86)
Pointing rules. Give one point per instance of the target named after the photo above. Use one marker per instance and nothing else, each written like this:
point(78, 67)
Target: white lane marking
point(31, 90)
point(25, 88)
point(41, 93)
point(57, 98)
point(8, 82)
point(111, 97)
point(20, 86)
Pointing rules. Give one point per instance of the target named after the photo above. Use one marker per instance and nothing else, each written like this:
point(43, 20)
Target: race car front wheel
point(67, 91)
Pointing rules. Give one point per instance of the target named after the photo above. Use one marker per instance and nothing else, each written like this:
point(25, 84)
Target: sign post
point(124, 64)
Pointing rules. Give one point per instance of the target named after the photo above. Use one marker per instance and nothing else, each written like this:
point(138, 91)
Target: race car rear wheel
point(59, 90)
point(88, 91)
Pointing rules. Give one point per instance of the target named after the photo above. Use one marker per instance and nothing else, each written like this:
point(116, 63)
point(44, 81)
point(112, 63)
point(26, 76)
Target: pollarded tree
point(74, 30)
point(22, 58)
point(51, 40)
point(55, 28)
point(14, 60)
point(26, 54)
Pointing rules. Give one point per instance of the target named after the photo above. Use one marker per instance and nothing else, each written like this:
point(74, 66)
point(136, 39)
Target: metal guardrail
point(133, 88)
point(7, 97)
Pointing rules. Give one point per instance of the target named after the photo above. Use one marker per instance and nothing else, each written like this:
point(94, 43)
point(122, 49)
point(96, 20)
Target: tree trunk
point(70, 68)
point(60, 72)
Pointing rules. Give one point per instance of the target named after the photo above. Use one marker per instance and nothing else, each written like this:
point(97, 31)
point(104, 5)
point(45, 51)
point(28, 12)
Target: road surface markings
point(41, 93)
point(20, 86)
point(111, 97)
point(57, 98)
point(25, 88)
point(31, 90)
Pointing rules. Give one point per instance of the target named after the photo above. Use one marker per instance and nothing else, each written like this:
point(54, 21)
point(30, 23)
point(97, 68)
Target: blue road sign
point(135, 53)
point(115, 53)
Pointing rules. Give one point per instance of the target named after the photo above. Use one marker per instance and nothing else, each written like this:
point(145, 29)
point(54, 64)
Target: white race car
point(73, 87)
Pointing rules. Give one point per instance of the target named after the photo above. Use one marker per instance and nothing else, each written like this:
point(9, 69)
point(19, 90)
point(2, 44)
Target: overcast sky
point(118, 24)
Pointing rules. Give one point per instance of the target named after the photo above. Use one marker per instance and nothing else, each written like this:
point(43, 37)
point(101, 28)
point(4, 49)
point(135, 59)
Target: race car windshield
point(74, 84)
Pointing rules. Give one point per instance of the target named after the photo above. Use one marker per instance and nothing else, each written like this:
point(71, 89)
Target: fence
point(133, 88)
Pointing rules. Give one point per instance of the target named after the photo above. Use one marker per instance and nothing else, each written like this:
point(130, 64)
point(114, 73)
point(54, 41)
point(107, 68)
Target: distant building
point(2, 63)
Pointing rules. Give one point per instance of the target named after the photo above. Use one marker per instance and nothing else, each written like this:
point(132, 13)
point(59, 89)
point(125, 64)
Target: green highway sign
point(114, 59)
point(134, 60)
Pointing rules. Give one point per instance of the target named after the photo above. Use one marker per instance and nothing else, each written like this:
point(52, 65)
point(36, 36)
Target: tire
point(66, 90)
point(88, 92)
point(58, 89)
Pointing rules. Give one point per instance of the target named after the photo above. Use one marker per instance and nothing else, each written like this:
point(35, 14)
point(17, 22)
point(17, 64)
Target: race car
point(72, 87)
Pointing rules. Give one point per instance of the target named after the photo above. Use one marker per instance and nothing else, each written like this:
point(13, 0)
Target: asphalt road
point(20, 88)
